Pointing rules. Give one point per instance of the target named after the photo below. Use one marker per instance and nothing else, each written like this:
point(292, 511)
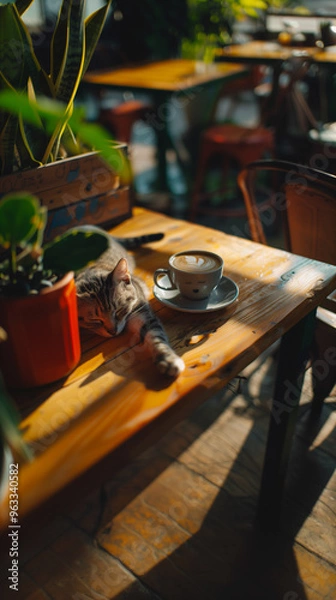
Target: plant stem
point(12, 264)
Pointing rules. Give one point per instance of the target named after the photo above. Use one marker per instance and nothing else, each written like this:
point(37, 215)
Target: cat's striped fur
point(111, 298)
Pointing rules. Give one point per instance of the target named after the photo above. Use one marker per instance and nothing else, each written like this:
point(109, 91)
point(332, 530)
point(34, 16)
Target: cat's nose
point(195, 291)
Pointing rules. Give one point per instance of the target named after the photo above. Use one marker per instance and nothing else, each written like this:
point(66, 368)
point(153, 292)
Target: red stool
point(233, 143)
point(120, 119)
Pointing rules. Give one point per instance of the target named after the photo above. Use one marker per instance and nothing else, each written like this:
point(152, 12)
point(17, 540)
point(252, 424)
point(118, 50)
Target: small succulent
point(27, 266)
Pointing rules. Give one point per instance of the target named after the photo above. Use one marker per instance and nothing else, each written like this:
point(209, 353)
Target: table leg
point(162, 147)
point(199, 109)
point(294, 350)
point(164, 142)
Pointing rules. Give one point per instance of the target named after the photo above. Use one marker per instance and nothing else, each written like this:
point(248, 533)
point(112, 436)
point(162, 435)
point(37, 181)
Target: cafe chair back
point(303, 200)
point(120, 119)
point(235, 145)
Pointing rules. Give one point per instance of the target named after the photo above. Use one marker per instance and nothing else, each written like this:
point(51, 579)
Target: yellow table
point(270, 52)
point(114, 404)
point(273, 54)
point(164, 80)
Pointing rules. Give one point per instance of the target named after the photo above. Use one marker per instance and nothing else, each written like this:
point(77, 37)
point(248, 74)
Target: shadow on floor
point(226, 556)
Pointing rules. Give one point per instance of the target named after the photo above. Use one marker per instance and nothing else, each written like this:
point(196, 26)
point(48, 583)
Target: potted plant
point(211, 24)
point(45, 156)
point(38, 307)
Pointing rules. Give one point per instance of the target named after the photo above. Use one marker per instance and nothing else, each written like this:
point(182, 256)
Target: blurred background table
point(182, 80)
point(271, 52)
point(274, 55)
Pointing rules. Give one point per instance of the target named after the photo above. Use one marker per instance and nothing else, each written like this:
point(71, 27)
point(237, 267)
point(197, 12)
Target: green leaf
point(23, 5)
point(47, 115)
point(71, 49)
point(17, 56)
point(23, 148)
point(70, 75)
point(9, 422)
point(52, 113)
point(94, 136)
point(93, 27)
point(35, 242)
point(19, 215)
point(11, 46)
point(18, 104)
point(59, 43)
point(73, 250)
point(32, 68)
point(7, 146)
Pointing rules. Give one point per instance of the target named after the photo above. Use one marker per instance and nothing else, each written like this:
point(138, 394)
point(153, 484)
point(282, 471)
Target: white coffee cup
point(194, 273)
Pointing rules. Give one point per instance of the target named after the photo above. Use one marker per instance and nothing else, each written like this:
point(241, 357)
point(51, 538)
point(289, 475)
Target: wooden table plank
point(115, 392)
point(169, 75)
point(269, 52)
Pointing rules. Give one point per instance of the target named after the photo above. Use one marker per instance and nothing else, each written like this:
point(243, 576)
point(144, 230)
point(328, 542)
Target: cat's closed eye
point(95, 321)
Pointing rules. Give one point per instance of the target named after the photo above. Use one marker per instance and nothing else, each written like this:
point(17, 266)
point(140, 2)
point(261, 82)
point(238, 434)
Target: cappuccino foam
point(196, 263)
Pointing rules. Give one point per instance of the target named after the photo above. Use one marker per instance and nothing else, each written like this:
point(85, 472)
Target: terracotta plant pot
point(43, 342)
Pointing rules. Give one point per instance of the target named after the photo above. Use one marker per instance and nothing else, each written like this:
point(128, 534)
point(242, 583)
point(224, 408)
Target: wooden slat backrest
point(305, 197)
point(311, 216)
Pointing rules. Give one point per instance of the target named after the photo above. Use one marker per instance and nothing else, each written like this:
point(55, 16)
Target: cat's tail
point(134, 242)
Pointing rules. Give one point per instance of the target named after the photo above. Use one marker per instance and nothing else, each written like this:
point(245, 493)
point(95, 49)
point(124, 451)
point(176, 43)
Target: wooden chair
point(121, 119)
point(306, 200)
point(235, 144)
point(241, 145)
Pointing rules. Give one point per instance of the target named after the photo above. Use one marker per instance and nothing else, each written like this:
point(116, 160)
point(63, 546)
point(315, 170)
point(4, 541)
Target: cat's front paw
point(170, 364)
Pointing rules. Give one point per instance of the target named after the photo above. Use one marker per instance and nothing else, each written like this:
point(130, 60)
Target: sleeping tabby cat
point(111, 298)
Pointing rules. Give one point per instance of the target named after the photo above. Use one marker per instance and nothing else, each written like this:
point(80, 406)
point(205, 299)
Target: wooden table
point(164, 80)
point(114, 404)
point(273, 54)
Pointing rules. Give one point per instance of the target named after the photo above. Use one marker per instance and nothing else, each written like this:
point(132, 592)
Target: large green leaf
point(67, 60)
point(9, 424)
point(11, 46)
point(95, 137)
point(19, 218)
point(17, 56)
point(59, 43)
point(32, 68)
point(8, 133)
point(73, 250)
point(53, 113)
point(71, 49)
point(46, 117)
point(29, 146)
point(18, 104)
point(23, 5)
point(93, 27)
point(70, 75)
point(21, 148)
point(15, 153)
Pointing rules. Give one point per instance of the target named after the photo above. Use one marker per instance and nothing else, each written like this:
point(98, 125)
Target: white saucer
point(225, 294)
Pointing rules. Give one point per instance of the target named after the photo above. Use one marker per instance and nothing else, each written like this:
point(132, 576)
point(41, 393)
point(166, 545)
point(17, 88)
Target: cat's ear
point(121, 272)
